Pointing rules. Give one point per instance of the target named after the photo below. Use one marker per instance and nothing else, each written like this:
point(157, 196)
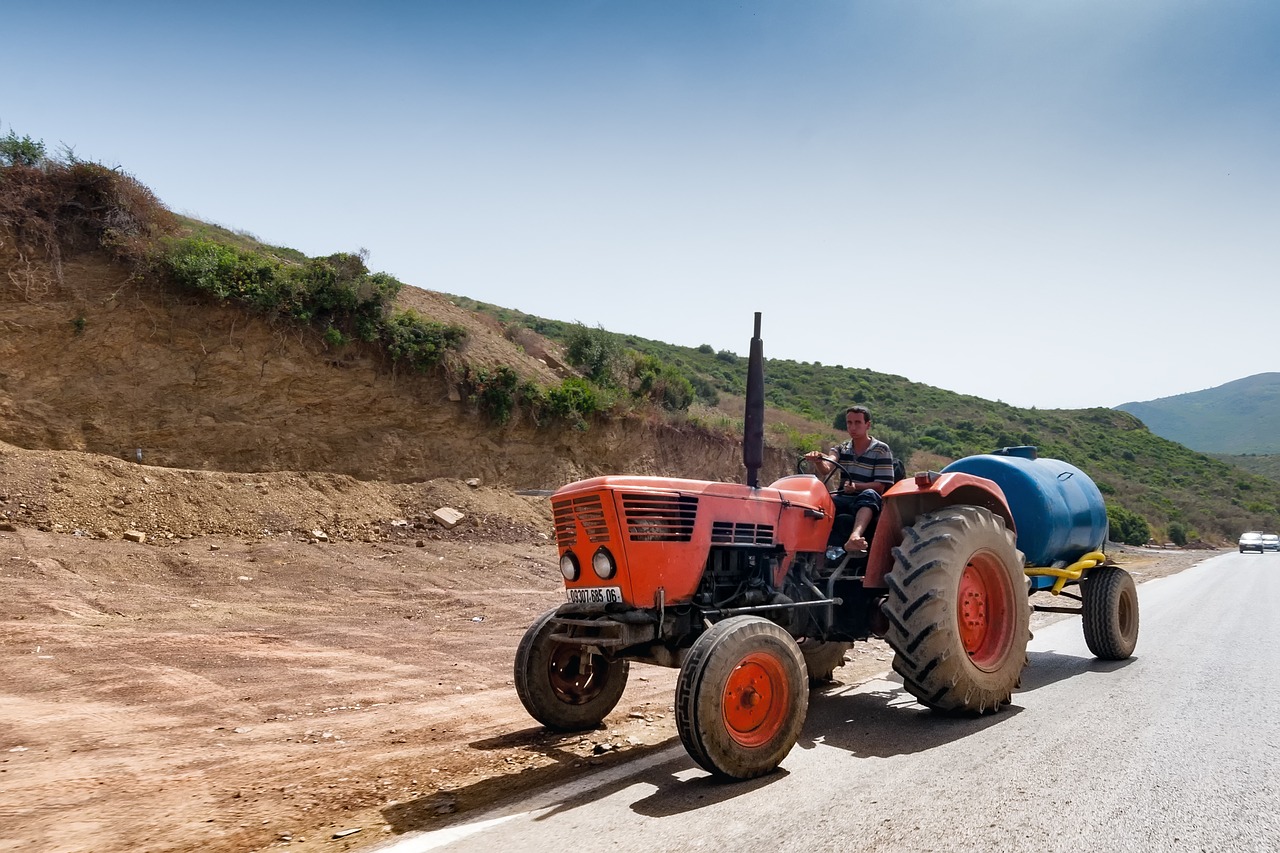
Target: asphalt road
point(1175, 749)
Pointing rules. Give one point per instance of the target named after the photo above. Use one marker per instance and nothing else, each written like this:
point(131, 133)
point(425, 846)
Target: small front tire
point(562, 685)
point(741, 697)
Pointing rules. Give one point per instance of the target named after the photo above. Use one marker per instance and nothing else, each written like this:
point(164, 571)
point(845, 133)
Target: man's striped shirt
point(874, 463)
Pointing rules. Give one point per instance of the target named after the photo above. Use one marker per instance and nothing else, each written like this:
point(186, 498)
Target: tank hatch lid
point(1026, 451)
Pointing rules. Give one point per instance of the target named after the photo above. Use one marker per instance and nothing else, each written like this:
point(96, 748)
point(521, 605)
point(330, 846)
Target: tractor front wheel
point(564, 686)
point(741, 697)
point(958, 612)
point(1110, 613)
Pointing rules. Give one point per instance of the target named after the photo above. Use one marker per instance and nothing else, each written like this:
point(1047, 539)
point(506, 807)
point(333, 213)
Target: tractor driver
point(867, 471)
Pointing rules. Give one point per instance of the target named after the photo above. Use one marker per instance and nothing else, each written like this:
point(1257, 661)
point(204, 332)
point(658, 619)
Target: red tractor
point(733, 584)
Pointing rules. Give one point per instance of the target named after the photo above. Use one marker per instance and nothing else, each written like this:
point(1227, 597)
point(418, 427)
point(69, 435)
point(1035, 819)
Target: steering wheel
point(805, 465)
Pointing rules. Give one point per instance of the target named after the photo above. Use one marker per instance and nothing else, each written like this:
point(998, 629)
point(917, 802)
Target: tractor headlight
point(603, 565)
point(569, 566)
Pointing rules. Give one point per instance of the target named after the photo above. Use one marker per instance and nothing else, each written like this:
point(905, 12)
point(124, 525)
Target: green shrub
point(495, 392)
point(23, 151)
point(574, 400)
point(337, 294)
point(705, 390)
point(595, 352)
point(419, 342)
point(1177, 533)
point(1127, 527)
point(225, 273)
point(661, 383)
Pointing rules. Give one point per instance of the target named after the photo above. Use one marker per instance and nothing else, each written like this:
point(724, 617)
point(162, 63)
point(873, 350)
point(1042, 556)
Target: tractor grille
point(659, 518)
point(585, 511)
point(739, 533)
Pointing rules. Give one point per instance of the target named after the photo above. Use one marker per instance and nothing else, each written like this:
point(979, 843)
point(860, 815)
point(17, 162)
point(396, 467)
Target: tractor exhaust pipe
point(753, 421)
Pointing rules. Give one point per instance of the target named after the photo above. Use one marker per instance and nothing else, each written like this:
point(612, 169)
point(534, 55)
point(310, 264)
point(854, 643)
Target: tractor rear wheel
point(562, 685)
point(1110, 613)
point(741, 697)
point(958, 612)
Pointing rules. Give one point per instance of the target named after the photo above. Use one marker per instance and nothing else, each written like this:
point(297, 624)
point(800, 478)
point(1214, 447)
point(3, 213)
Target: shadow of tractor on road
point(880, 719)
point(1045, 668)
point(873, 719)
point(439, 809)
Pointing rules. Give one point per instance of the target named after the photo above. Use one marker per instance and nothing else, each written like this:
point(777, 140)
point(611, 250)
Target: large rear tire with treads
point(958, 611)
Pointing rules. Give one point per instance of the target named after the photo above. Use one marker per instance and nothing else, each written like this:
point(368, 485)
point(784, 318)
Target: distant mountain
point(1241, 417)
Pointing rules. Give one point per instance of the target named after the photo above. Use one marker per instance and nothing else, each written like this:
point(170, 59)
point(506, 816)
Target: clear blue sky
point(1049, 203)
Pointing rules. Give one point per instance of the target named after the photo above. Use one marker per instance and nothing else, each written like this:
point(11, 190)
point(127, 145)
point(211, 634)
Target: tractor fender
point(929, 491)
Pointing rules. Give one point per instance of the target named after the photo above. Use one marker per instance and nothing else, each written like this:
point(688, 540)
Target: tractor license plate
point(595, 595)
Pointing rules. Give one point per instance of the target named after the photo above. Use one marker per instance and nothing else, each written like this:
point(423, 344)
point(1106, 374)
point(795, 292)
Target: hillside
point(96, 359)
point(130, 332)
point(1263, 464)
point(1162, 481)
point(1240, 417)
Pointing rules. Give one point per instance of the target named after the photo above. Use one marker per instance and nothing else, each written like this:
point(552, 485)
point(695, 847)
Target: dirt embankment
point(93, 360)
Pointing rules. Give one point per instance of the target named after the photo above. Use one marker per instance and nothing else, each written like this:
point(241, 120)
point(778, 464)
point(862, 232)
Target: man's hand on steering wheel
point(815, 461)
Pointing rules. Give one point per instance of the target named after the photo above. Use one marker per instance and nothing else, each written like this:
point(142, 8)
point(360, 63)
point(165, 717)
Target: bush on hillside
point(653, 379)
point(705, 390)
point(417, 342)
point(499, 395)
point(336, 294)
point(24, 151)
point(574, 401)
point(597, 353)
point(1127, 527)
point(494, 391)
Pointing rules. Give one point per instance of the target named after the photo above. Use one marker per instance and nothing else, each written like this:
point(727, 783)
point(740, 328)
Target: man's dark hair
point(866, 413)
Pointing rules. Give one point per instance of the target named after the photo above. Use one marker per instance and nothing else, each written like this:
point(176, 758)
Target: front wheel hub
point(755, 700)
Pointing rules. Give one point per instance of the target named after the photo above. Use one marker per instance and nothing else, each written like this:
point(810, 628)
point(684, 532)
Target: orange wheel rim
point(756, 699)
point(985, 611)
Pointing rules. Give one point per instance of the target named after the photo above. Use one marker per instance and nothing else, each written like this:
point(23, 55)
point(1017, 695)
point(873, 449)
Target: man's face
point(856, 424)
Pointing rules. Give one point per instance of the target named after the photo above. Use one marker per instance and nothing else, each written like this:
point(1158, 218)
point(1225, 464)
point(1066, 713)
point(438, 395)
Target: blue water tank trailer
point(1058, 510)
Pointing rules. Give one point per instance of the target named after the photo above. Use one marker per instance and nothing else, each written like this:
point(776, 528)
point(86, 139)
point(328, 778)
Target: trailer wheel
point(563, 686)
point(822, 658)
point(957, 607)
point(741, 698)
point(1110, 613)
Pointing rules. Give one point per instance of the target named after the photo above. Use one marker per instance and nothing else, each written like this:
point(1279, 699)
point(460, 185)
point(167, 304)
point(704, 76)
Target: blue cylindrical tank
point(1058, 510)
